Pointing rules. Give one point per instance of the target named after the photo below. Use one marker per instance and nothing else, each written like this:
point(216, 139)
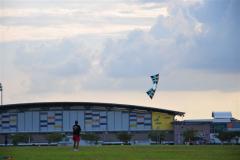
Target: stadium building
point(105, 119)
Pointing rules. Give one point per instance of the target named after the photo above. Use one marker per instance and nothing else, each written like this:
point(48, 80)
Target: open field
point(174, 152)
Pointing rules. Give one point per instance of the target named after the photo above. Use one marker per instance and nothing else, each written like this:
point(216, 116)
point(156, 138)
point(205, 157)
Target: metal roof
point(85, 104)
point(198, 120)
point(194, 122)
point(221, 120)
point(221, 115)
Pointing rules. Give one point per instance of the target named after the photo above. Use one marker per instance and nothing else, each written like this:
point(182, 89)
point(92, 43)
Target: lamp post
point(1, 90)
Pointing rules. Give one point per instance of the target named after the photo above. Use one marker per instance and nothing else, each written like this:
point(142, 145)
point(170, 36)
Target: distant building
point(105, 119)
point(202, 127)
point(206, 129)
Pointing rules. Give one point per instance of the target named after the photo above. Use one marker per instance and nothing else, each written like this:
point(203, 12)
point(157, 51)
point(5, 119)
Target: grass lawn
point(158, 152)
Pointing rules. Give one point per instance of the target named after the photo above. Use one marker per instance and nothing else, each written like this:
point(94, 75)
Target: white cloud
point(62, 21)
point(122, 10)
point(199, 28)
point(17, 33)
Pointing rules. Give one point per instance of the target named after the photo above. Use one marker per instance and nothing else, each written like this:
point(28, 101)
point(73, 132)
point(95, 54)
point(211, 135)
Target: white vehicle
point(214, 139)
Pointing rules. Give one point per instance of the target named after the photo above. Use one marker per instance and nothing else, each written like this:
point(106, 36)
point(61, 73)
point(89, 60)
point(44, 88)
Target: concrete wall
point(203, 130)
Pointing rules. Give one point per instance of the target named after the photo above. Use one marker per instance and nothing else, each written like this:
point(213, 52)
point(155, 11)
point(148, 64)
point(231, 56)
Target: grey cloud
point(173, 44)
point(136, 56)
point(52, 57)
point(143, 53)
point(53, 65)
point(193, 80)
point(219, 50)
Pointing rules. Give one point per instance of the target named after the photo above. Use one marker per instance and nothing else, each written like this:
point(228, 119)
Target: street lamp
point(1, 89)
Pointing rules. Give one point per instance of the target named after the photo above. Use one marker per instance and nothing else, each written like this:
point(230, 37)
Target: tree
point(157, 136)
point(92, 137)
point(124, 137)
point(54, 137)
point(189, 135)
point(17, 138)
point(228, 136)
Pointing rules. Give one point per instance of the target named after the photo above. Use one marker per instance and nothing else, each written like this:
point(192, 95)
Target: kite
point(152, 91)
point(155, 78)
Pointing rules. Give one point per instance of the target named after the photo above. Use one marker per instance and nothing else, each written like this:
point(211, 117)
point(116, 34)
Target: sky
point(105, 51)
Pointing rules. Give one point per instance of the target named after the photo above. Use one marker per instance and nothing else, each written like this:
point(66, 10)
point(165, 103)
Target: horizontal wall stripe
point(5, 122)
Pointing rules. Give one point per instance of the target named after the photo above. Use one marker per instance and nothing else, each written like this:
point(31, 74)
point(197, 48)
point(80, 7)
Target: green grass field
point(174, 152)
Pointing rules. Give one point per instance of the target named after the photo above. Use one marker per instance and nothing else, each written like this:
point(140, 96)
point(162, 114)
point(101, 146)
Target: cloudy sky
point(105, 51)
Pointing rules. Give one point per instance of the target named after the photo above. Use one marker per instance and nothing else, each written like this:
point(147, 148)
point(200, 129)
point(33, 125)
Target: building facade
point(102, 118)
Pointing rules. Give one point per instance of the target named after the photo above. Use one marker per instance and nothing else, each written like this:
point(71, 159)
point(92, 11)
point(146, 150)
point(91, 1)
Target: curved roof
point(86, 105)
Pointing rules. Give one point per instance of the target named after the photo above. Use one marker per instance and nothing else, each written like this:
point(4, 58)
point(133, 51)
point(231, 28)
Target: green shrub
point(92, 137)
point(228, 136)
point(18, 138)
point(189, 135)
point(124, 137)
point(54, 137)
point(157, 136)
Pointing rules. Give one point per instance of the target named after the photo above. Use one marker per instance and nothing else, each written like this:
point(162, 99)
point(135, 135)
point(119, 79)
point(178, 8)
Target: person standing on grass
point(76, 135)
